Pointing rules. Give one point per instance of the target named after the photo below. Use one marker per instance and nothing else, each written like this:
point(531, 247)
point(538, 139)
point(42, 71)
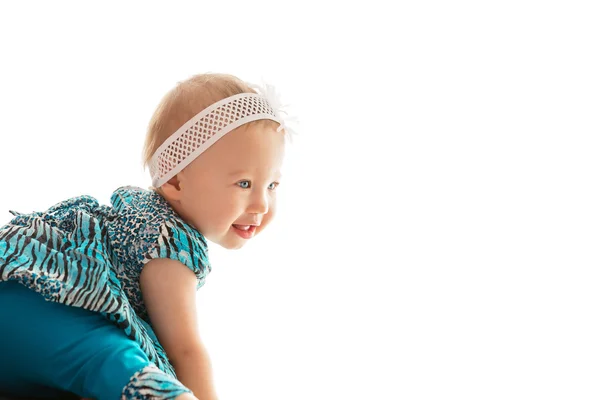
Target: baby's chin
point(230, 243)
point(235, 247)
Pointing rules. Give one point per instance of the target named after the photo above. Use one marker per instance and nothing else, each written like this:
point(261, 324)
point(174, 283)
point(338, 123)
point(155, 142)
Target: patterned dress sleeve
point(178, 241)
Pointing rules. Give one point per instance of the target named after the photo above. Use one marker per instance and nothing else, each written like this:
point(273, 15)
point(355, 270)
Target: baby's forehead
point(255, 149)
point(233, 172)
point(249, 163)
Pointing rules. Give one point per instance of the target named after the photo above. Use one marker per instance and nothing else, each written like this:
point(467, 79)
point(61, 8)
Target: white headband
point(211, 124)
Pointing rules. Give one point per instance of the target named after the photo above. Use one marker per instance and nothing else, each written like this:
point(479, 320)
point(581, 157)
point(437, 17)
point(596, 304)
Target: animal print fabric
point(84, 254)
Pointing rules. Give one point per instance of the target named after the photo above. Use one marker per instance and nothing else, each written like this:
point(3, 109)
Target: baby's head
point(220, 180)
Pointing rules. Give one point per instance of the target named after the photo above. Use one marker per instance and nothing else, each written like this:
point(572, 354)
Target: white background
point(439, 226)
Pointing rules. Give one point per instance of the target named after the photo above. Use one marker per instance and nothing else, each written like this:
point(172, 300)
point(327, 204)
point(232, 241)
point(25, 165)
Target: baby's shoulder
point(135, 200)
point(127, 196)
point(147, 212)
point(157, 231)
point(137, 208)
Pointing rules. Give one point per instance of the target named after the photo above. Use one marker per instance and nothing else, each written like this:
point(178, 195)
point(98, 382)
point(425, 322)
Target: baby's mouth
point(245, 231)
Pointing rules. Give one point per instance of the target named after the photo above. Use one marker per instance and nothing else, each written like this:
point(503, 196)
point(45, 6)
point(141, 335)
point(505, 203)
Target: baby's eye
point(273, 185)
point(244, 184)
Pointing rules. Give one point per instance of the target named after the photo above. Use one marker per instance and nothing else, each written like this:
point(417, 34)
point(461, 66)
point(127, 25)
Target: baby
point(99, 301)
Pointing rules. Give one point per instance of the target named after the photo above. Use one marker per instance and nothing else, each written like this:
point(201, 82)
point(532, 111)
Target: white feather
point(270, 93)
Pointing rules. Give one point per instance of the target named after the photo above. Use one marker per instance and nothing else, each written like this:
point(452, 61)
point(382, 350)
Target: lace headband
point(211, 124)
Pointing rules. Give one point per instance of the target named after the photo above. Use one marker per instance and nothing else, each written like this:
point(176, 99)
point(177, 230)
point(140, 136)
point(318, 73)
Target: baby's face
point(229, 192)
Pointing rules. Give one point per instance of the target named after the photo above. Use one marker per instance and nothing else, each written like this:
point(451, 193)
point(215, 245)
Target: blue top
point(87, 255)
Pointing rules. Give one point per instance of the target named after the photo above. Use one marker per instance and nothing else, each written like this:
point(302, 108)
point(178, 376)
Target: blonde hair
point(184, 101)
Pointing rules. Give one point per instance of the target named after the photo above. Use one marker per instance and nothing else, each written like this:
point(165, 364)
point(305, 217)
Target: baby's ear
point(171, 189)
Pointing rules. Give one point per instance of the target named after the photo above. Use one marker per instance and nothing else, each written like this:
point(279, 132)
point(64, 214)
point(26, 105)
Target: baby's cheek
point(272, 208)
point(267, 218)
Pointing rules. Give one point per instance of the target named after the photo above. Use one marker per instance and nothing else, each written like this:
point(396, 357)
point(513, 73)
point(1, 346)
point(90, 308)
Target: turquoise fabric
point(85, 259)
point(49, 347)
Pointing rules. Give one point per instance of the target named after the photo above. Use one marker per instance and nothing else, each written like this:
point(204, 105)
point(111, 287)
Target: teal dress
point(81, 261)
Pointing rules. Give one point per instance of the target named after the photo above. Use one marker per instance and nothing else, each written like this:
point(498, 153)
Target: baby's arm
point(169, 292)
